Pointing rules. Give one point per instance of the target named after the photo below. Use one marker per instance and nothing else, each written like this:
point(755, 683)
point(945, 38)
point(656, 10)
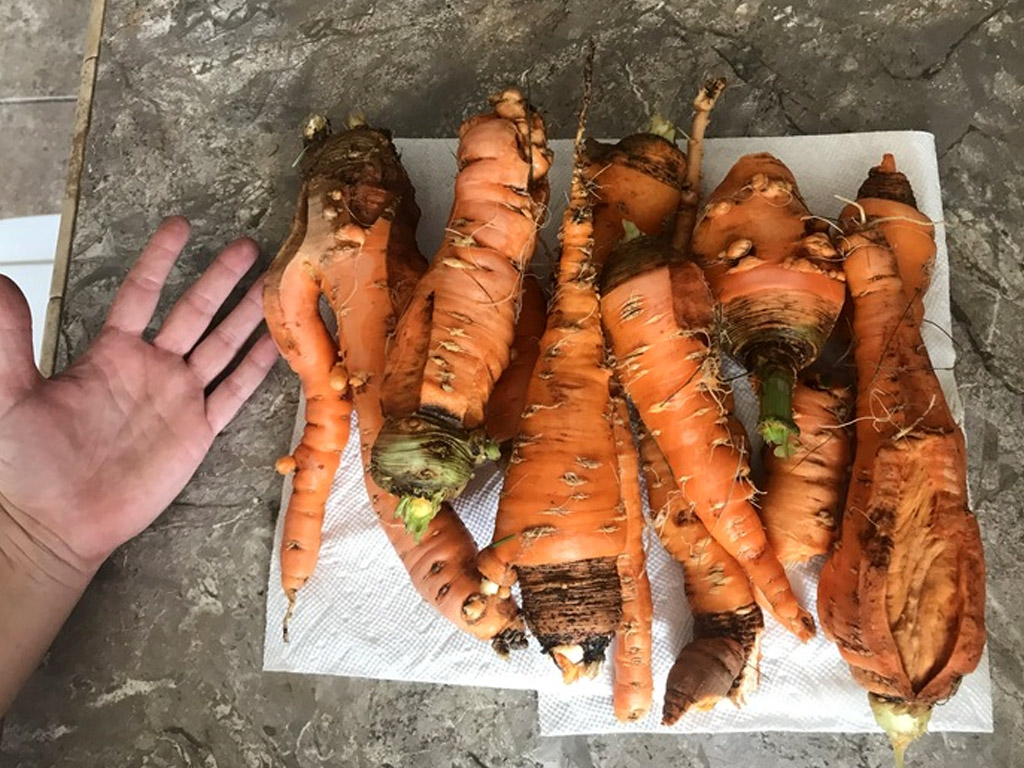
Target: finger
point(17, 363)
point(137, 297)
point(224, 402)
point(218, 349)
point(191, 315)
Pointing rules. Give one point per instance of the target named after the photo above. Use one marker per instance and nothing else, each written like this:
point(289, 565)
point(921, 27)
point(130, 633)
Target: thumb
point(17, 365)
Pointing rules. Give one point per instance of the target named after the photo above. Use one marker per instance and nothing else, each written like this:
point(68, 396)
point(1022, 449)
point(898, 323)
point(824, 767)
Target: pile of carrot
point(613, 387)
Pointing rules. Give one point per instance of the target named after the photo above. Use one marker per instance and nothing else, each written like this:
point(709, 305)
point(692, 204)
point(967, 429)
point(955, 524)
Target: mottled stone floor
point(197, 105)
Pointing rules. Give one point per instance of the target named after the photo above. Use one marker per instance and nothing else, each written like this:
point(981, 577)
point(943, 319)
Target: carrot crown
point(427, 460)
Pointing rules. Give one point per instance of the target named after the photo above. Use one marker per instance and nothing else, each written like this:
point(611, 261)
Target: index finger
point(138, 295)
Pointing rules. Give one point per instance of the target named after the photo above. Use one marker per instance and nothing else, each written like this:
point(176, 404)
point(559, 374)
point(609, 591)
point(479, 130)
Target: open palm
point(92, 456)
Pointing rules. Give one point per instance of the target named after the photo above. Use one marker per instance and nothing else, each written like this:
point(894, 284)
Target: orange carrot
point(658, 312)
point(778, 282)
point(509, 396)
point(804, 491)
point(561, 527)
point(723, 658)
point(640, 180)
point(354, 240)
point(454, 340)
point(903, 594)
point(634, 685)
point(887, 199)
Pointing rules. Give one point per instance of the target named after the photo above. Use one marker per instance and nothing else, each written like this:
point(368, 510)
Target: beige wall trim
point(69, 206)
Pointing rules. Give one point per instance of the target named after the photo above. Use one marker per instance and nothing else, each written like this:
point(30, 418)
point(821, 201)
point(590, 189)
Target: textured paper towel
point(358, 616)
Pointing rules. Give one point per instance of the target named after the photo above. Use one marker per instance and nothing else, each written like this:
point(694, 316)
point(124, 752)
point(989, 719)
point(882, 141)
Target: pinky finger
point(230, 395)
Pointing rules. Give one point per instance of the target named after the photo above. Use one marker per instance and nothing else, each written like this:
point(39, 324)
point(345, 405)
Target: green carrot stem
point(776, 423)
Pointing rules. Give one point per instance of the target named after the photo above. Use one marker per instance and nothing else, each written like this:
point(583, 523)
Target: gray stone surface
point(40, 59)
point(197, 106)
point(35, 140)
point(41, 47)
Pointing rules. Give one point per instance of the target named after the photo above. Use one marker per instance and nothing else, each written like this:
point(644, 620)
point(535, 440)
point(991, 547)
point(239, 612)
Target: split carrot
point(903, 594)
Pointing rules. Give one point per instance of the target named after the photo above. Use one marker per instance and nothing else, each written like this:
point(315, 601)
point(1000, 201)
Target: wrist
point(37, 558)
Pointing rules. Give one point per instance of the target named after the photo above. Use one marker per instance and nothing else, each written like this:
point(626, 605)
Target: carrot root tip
point(509, 639)
point(903, 721)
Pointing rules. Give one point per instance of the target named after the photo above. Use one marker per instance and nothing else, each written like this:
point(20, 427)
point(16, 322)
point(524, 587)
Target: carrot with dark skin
point(903, 594)
point(354, 240)
point(803, 493)
point(777, 280)
point(454, 341)
point(723, 658)
point(632, 676)
point(561, 525)
point(509, 396)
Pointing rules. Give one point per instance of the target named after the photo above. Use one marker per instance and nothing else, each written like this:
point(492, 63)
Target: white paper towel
point(359, 616)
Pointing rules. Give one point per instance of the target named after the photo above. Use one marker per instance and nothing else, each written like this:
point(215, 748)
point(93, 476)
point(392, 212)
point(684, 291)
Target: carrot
point(353, 239)
point(561, 527)
point(640, 179)
point(803, 491)
point(903, 594)
point(658, 315)
point(887, 199)
point(723, 657)
point(633, 682)
point(509, 396)
point(777, 281)
point(454, 340)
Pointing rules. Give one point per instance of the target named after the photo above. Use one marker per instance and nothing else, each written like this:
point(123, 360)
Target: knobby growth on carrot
point(903, 594)
point(353, 240)
point(777, 281)
point(658, 314)
point(454, 339)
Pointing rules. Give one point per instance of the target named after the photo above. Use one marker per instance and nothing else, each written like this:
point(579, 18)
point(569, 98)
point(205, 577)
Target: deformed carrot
point(903, 594)
point(777, 280)
point(658, 313)
point(723, 658)
point(454, 340)
point(354, 240)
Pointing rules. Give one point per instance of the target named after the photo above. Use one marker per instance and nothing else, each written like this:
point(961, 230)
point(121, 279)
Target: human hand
point(91, 457)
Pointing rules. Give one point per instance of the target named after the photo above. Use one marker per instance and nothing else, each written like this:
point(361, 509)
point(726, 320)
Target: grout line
point(15, 100)
point(69, 206)
point(24, 263)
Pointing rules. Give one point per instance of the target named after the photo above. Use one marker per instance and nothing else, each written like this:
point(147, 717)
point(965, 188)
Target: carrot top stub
point(427, 460)
point(777, 279)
